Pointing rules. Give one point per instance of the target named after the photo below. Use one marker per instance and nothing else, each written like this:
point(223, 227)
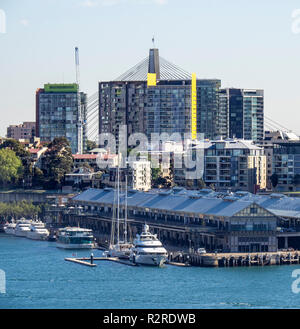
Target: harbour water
point(37, 276)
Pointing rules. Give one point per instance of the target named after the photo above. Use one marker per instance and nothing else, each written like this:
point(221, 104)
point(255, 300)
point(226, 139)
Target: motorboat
point(9, 228)
point(38, 231)
point(147, 249)
point(75, 238)
point(22, 227)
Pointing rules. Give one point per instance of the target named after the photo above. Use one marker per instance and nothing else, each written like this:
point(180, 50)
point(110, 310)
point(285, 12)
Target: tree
point(90, 145)
point(56, 162)
point(274, 180)
point(200, 183)
point(23, 154)
point(11, 167)
point(296, 180)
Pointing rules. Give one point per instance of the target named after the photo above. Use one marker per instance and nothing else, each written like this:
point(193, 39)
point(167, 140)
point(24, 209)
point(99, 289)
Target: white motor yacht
point(148, 250)
point(9, 228)
point(38, 231)
point(22, 227)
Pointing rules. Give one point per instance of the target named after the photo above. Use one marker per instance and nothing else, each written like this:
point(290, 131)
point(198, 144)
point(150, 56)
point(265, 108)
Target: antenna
point(153, 41)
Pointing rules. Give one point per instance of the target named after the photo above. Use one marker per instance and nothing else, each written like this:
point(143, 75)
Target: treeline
point(17, 167)
point(19, 209)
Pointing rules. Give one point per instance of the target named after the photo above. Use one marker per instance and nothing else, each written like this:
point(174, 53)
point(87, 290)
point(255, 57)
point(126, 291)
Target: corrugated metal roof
point(205, 205)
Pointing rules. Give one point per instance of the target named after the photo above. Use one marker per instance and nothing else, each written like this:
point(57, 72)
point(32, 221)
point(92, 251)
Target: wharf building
point(156, 96)
point(61, 112)
point(231, 164)
point(232, 222)
point(241, 113)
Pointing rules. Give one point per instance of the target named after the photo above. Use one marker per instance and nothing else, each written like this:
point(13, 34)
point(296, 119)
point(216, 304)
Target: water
point(38, 277)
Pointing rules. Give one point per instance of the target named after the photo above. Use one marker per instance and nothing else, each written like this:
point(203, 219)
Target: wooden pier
point(211, 259)
point(87, 261)
point(244, 259)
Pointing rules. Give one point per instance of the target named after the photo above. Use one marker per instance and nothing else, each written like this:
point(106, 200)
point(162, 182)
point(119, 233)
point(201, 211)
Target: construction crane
point(80, 134)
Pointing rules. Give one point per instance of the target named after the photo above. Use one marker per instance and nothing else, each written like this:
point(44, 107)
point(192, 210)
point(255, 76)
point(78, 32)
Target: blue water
point(38, 277)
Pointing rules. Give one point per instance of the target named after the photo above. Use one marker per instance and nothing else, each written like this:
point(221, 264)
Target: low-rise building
point(226, 164)
point(26, 130)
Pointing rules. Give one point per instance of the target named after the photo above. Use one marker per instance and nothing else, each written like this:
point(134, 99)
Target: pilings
point(239, 259)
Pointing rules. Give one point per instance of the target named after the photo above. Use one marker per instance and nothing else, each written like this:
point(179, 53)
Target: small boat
point(22, 227)
point(75, 238)
point(148, 250)
point(38, 231)
point(9, 228)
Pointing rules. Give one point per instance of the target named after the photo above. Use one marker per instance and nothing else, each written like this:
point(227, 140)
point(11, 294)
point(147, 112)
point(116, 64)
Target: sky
point(246, 44)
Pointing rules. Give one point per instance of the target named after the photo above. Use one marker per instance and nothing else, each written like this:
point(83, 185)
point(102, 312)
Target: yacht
point(38, 231)
point(148, 250)
point(9, 228)
point(22, 227)
point(75, 238)
point(119, 245)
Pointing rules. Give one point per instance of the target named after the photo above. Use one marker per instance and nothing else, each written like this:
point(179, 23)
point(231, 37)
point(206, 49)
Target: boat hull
point(36, 236)
point(152, 260)
point(10, 231)
point(74, 246)
point(21, 233)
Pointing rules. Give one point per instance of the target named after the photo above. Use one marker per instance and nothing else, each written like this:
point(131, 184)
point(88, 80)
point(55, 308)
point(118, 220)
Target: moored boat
point(22, 227)
point(37, 231)
point(75, 238)
point(119, 247)
point(148, 250)
point(9, 228)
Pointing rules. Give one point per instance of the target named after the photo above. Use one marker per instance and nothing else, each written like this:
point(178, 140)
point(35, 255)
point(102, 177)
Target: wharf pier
point(87, 261)
point(238, 259)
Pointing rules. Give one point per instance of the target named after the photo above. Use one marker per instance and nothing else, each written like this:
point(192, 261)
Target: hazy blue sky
point(247, 44)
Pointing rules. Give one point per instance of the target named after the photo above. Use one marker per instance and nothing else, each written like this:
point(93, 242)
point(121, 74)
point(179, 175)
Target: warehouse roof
point(205, 202)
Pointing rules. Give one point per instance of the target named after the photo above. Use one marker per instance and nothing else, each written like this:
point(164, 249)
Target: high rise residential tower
point(155, 96)
point(241, 113)
point(57, 114)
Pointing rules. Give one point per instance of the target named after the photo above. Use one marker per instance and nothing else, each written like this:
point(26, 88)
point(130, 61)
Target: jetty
point(87, 260)
point(238, 259)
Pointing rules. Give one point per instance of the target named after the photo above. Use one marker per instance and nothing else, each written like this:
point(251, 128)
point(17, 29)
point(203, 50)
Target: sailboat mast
point(118, 207)
point(125, 218)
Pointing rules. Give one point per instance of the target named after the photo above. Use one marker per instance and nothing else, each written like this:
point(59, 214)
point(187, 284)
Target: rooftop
point(205, 201)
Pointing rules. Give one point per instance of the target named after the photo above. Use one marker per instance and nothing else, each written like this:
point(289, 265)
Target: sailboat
point(119, 247)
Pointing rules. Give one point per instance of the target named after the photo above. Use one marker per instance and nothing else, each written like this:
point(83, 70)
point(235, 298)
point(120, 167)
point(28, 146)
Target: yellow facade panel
point(194, 107)
point(151, 79)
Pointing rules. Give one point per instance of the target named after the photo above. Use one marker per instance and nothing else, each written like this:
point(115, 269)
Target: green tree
point(296, 180)
point(274, 180)
point(90, 145)
point(38, 177)
point(11, 167)
point(24, 156)
point(200, 183)
point(56, 162)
